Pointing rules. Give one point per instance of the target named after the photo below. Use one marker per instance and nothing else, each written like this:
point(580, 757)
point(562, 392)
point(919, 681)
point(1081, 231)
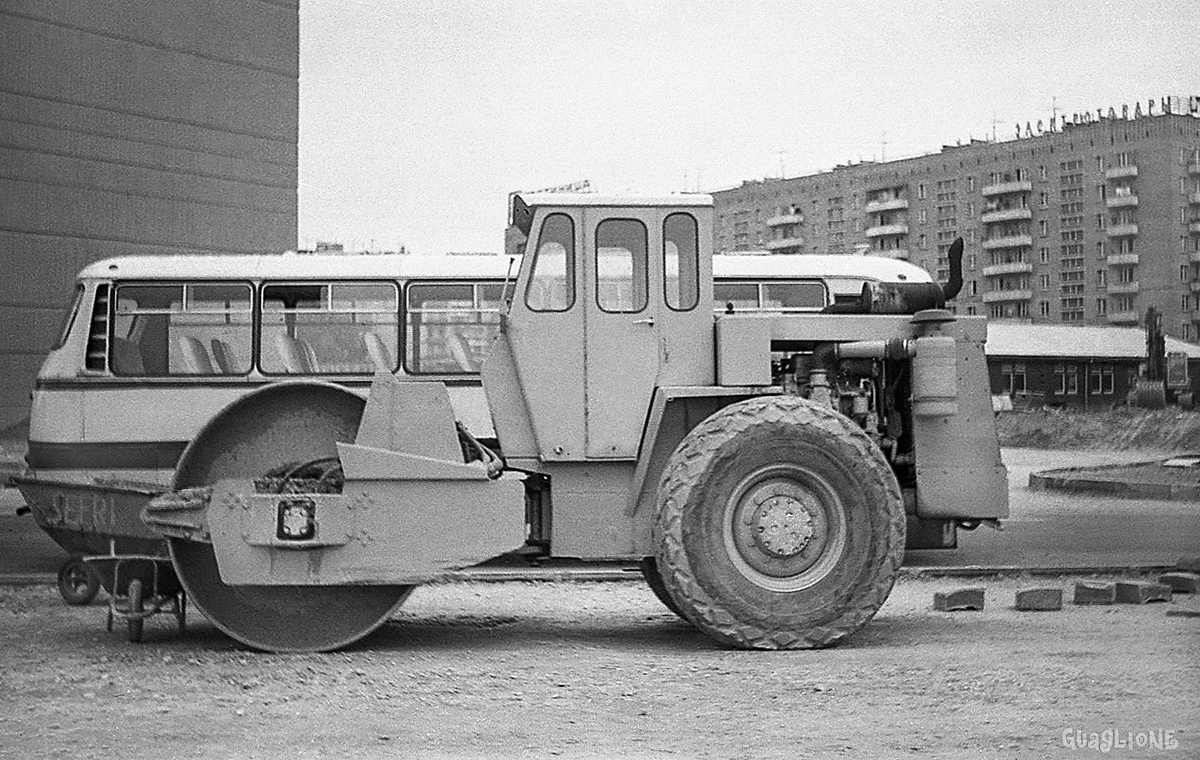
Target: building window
point(1012, 378)
point(921, 191)
point(1101, 306)
point(1043, 228)
point(1100, 254)
point(1045, 308)
point(1067, 378)
point(1100, 379)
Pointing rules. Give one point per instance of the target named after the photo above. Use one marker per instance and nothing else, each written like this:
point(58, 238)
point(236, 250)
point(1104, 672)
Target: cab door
point(621, 346)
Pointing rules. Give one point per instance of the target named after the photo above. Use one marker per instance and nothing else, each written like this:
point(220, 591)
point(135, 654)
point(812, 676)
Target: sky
point(418, 118)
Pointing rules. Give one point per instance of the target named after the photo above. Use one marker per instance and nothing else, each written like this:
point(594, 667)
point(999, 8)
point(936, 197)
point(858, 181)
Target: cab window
point(621, 265)
point(552, 280)
point(681, 276)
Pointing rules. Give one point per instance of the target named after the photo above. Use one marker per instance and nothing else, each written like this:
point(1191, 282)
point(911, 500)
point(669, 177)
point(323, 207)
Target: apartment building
point(1088, 223)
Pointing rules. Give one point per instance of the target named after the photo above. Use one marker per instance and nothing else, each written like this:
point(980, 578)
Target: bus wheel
point(259, 433)
point(780, 525)
point(78, 583)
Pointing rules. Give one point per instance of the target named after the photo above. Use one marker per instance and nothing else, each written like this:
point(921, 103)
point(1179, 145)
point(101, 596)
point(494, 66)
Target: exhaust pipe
point(907, 297)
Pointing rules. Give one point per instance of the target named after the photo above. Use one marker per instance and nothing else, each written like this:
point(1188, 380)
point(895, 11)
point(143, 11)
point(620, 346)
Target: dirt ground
point(602, 670)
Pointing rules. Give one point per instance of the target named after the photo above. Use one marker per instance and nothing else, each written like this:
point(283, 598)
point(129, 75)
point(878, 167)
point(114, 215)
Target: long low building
point(1063, 365)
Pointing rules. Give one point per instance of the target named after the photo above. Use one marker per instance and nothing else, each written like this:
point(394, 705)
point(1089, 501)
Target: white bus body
point(154, 346)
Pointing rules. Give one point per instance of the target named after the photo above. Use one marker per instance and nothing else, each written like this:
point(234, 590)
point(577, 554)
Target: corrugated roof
point(1019, 339)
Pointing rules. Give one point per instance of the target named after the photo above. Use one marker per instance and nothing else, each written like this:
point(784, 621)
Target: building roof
point(1074, 342)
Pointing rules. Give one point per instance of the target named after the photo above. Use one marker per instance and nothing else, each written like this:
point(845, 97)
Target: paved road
point(1060, 529)
point(1047, 528)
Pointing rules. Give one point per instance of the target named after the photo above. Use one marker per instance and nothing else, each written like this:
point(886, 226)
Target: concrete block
point(1189, 612)
point(1140, 592)
point(1181, 583)
point(959, 599)
point(1039, 599)
point(1091, 592)
point(1188, 564)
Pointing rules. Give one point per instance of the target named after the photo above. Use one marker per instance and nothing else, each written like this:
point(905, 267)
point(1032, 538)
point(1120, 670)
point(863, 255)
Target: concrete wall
point(135, 126)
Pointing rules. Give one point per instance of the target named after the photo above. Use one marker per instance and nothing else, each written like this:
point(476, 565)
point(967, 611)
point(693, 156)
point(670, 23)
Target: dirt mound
point(1119, 429)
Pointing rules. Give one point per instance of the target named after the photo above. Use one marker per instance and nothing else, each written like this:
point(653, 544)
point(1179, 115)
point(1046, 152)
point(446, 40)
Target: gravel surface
point(602, 670)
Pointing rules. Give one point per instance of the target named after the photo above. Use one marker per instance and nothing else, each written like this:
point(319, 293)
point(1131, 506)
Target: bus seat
point(298, 357)
point(378, 353)
point(195, 356)
point(223, 357)
point(126, 357)
point(310, 356)
point(460, 349)
point(294, 360)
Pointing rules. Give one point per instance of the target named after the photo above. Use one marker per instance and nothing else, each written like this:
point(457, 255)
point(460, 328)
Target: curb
point(1051, 480)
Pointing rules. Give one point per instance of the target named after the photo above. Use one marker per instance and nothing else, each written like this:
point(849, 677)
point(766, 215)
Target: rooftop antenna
point(995, 121)
point(1053, 112)
point(883, 143)
point(782, 171)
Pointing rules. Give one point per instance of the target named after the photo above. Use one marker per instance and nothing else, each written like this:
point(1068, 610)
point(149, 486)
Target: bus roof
point(729, 265)
point(300, 266)
point(293, 266)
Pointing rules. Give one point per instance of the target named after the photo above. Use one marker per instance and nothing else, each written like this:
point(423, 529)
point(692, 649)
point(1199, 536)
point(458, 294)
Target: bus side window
point(450, 326)
point(163, 330)
point(323, 328)
point(794, 296)
point(735, 296)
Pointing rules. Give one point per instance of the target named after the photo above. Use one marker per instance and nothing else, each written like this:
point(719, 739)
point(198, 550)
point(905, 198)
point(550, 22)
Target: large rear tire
point(279, 424)
point(780, 525)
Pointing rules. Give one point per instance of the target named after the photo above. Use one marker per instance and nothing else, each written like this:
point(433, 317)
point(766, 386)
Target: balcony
point(1194, 167)
point(1122, 201)
point(883, 230)
point(1006, 215)
point(1194, 257)
point(1194, 198)
point(1195, 287)
point(1008, 241)
point(782, 219)
point(1124, 318)
point(1120, 172)
point(782, 243)
point(1121, 259)
point(1122, 230)
point(1119, 288)
point(1000, 296)
point(1194, 226)
point(1015, 267)
point(1003, 188)
point(890, 204)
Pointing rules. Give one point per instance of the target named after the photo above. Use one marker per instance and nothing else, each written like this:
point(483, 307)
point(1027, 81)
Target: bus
point(153, 347)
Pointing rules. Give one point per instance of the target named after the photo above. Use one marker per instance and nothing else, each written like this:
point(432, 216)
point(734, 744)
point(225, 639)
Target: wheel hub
point(782, 526)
